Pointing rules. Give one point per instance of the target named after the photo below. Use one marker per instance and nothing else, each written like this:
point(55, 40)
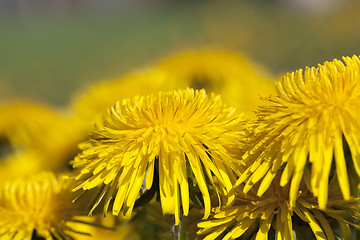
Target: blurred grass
point(286, 39)
point(53, 55)
point(48, 55)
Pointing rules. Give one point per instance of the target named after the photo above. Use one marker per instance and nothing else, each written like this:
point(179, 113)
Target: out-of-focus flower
point(25, 164)
point(271, 217)
point(22, 124)
point(239, 81)
point(41, 203)
point(90, 104)
point(175, 135)
point(32, 129)
point(314, 115)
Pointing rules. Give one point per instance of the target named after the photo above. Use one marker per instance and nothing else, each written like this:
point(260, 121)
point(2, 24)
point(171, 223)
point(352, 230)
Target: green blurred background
point(51, 49)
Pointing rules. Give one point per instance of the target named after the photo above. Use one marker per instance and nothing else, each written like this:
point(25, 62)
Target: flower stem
point(179, 231)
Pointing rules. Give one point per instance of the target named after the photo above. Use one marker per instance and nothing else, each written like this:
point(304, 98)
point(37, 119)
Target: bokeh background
point(49, 49)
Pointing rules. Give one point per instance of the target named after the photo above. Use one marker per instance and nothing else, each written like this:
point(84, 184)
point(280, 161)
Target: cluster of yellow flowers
point(174, 151)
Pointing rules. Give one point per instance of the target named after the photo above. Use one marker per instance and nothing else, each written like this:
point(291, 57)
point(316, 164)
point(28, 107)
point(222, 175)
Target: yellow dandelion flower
point(91, 103)
point(28, 128)
point(307, 124)
point(271, 217)
point(17, 166)
point(167, 134)
point(21, 123)
point(240, 81)
point(41, 203)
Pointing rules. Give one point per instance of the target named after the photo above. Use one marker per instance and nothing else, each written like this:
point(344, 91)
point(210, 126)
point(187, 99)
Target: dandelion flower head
point(314, 115)
point(91, 103)
point(21, 123)
point(41, 203)
point(240, 81)
point(166, 134)
point(17, 166)
point(29, 128)
point(271, 217)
